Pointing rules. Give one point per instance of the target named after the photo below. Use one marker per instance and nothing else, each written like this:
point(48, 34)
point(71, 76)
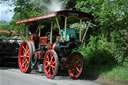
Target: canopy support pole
point(80, 30)
point(26, 32)
point(89, 23)
point(39, 31)
point(59, 28)
point(51, 33)
point(65, 35)
point(39, 28)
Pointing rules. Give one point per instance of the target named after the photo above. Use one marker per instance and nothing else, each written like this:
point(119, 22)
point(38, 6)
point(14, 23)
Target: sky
point(4, 12)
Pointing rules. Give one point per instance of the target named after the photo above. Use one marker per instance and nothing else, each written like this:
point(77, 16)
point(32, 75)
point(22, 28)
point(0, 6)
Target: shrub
point(97, 51)
point(120, 46)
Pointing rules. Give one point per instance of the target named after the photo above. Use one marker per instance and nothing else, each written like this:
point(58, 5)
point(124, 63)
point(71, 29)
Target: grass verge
point(112, 72)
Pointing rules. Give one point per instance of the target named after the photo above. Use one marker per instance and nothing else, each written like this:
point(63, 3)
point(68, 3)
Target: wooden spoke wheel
point(76, 65)
point(51, 64)
point(24, 57)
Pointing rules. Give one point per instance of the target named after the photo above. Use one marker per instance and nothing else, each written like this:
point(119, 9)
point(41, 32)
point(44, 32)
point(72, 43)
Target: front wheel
point(51, 64)
point(24, 57)
point(76, 65)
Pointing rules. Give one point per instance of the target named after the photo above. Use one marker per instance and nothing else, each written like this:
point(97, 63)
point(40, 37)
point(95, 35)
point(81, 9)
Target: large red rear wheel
point(51, 64)
point(24, 57)
point(76, 65)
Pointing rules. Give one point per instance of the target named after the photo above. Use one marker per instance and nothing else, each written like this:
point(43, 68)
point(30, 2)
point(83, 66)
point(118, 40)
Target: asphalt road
point(11, 75)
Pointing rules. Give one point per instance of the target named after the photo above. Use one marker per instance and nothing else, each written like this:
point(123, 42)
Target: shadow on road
point(91, 72)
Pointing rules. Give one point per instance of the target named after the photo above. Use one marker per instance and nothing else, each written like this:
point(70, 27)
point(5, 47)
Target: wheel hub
point(49, 64)
point(75, 65)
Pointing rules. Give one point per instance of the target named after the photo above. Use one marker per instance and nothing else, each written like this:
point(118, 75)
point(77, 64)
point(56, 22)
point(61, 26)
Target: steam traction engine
point(53, 49)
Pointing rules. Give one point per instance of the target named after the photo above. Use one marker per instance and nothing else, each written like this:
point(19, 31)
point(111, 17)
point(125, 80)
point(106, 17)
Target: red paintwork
point(65, 13)
point(6, 31)
point(33, 37)
point(36, 18)
point(43, 40)
point(39, 55)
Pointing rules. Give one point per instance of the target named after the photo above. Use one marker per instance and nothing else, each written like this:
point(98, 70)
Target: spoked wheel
point(76, 65)
point(24, 57)
point(51, 63)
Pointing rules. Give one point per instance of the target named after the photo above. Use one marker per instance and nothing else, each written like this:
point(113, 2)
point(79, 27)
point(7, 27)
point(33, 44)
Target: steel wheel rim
point(75, 66)
point(24, 56)
point(49, 64)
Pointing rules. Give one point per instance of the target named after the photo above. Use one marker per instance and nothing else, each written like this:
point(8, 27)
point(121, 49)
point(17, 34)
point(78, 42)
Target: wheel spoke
point(23, 51)
point(26, 65)
point(27, 51)
point(77, 69)
point(51, 56)
point(78, 61)
point(53, 62)
point(27, 48)
point(48, 58)
point(27, 61)
point(53, 70)
point(47, 66)
point(73, 70)
point(79, 65)
point(49, 70)
point(27, 56)
point(23, 64)
point(53, 66)
point(21, 56)
point(23, 48)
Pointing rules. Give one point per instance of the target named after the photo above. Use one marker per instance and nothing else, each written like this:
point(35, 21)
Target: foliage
point(120, 46)
point(3, 23)
point(97, 52)
point(108, 73)
point(4, 26)
point(109, 37)
point(118, 73)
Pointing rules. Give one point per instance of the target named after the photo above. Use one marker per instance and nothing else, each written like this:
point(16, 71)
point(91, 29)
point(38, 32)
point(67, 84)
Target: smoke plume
point(49, 5)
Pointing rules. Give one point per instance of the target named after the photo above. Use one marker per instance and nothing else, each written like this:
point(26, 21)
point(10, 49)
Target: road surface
point(11, 75)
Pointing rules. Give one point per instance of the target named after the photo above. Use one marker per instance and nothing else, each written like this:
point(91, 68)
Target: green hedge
point(100, 51)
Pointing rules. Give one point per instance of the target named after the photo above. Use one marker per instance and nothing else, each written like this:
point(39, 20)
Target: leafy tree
point(4, 25)
point(111, 19)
